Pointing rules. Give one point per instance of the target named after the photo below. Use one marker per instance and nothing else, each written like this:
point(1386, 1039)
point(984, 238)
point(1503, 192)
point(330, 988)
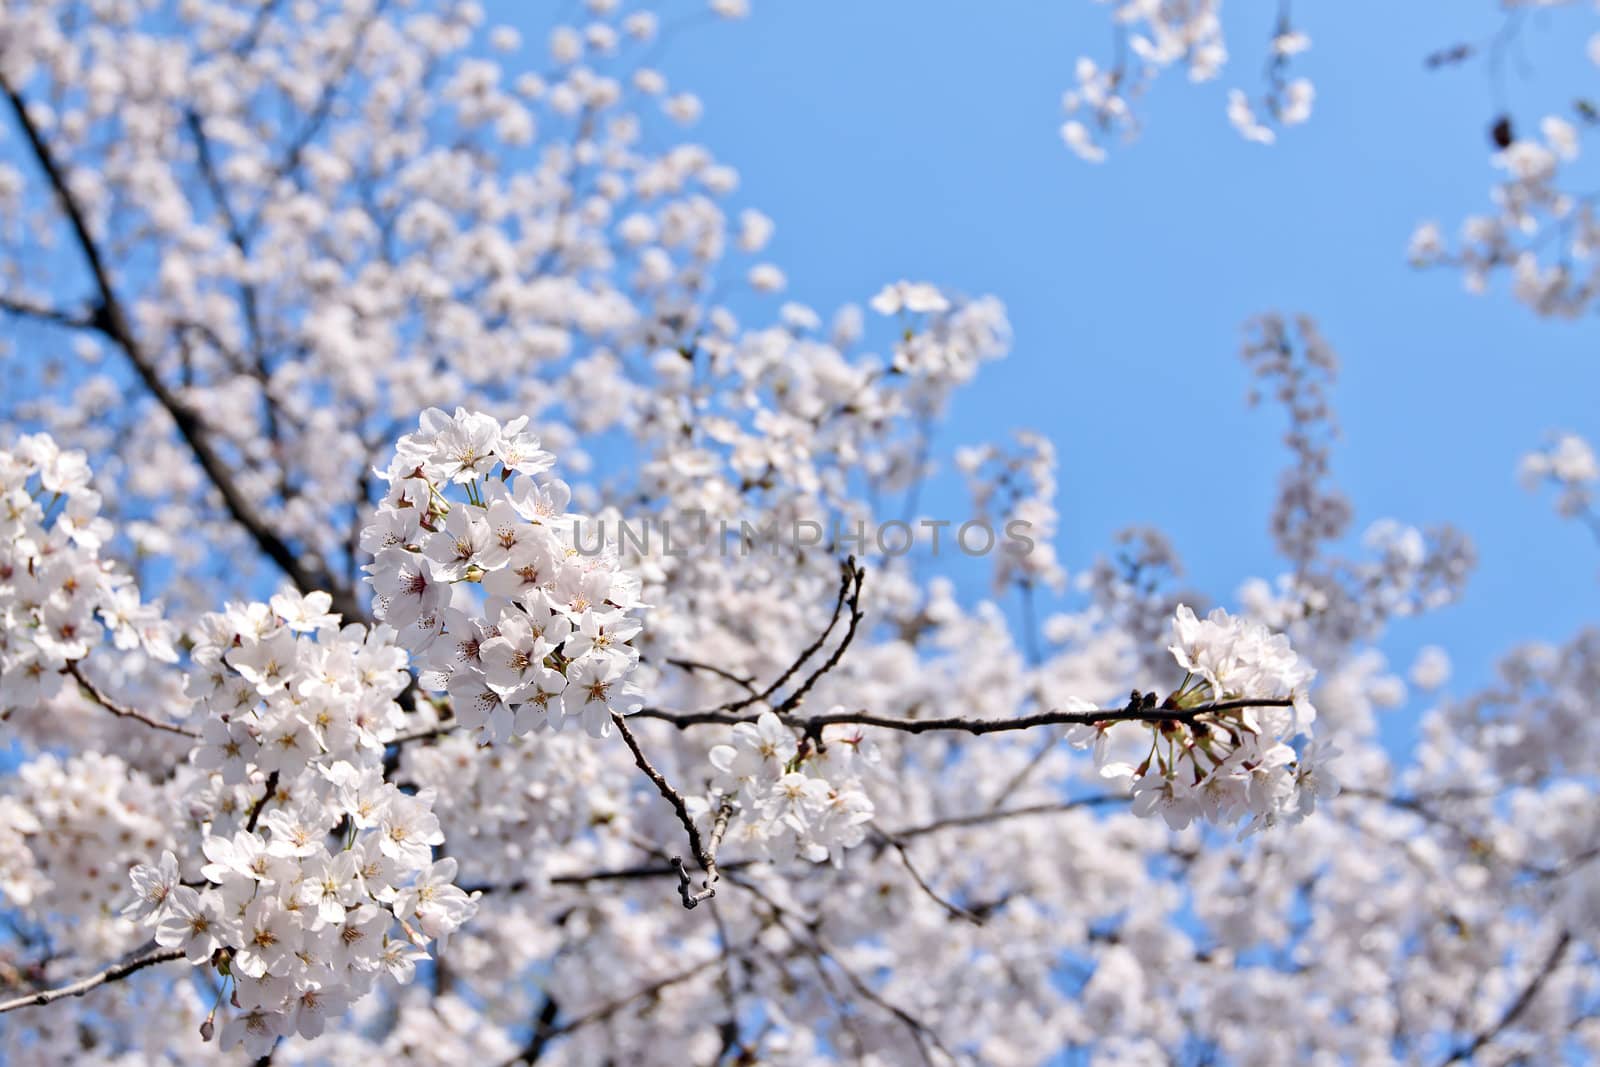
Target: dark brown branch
point(849, 579)
point(427, 734)
point(543, 1024)
point(111, 319)
point(848, 576)
point(618, 874)
point(703, 855)
point(1095, 716)
point(116, 972)
point(266, 795)
point(813, 724)
point(708, 861)
point(72, 320)
point(851, 584)
point(93, 692)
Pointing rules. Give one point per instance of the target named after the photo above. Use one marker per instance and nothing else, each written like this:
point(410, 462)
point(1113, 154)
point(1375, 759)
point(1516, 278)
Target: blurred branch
point(905, 858)
point(1517, 1006)
point(110, 318)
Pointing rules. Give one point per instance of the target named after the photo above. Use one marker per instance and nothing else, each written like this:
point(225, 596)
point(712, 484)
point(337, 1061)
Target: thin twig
point(1039, 756)
point(809, 940)
point(116, 972)
point(853, 577)
point(442, 730)
point(93, 692)
point(266, 795)
point(905, 858)
point(747, 684)
point(849, 577)
point(671, 870)
point(703, 856)
point(983, 818)
point(323, 109)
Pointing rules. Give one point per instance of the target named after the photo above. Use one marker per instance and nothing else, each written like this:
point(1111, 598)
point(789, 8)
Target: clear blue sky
point(918, 138)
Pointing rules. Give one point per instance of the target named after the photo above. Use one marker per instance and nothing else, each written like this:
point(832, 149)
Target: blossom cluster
point(1286, 102)
point(794, 796)
point(69, 830)
point(957, 336)
point(58, 596)
point(1290, 361)
point(1568, 463)
point(1157, 36)
point(1222, 765)
point(1018, 486)
point(319, 874)
point(548, 640)
point(514, 810)
point(332, 215)
point(1539, 233)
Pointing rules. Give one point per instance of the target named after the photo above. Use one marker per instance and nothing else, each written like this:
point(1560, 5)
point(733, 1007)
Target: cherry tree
point(437, 628)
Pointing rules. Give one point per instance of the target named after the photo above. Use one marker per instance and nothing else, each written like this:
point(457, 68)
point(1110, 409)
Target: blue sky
point(918, 138)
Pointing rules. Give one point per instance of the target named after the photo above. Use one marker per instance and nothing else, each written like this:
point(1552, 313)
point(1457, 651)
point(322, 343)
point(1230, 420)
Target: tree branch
point(116, 972)
point(94, 694)
point(984, 818)
point(708, 860)
point(1093, 717)
point(1517, 1006)
point(323, 109)
point(543, 1024)
point(850, 591)
point(610, 1008)
point(72, 320)
point(905, 858)
point(261, 802)
point(706, 857)
point(805, 936)
point(111, 319)
point(672, 870)
point(850, 578)
point(747, 684)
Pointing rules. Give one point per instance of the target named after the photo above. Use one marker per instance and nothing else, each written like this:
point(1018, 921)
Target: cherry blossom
point(441, 621)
